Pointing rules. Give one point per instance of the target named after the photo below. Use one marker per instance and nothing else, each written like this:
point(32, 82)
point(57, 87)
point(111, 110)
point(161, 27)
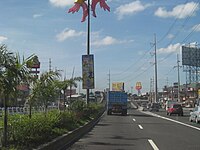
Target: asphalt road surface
point(141, 130)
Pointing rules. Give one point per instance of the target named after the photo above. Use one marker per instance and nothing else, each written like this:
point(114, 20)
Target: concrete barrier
point(66, 140)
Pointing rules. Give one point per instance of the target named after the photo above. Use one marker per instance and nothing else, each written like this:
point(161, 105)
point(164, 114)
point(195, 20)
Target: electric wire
point(165, 35)
point(178, 32)
point(134, 63)
point(173, 24)
point(169, 30)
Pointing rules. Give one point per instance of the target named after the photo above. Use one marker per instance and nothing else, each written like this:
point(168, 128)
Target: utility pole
point(156, 78)
point(178, 78)
point(49, 64)
point(151, 90)
point(167, 88)
point(109, 80)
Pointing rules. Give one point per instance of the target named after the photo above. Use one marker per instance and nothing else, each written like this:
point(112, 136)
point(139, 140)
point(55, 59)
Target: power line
point(171, 27)
point(183, 25)
point(134, 63)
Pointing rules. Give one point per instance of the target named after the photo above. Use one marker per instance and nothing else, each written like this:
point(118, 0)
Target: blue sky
point(121, 40)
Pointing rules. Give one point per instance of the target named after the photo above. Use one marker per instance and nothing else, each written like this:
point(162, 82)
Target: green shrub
point(67, 120)
point(26, 133)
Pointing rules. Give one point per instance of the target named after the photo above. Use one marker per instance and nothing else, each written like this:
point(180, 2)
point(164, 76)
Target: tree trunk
point(45, 107)
point(64, 99)
point(70, 93)
point(30, 110)
point(5, 133)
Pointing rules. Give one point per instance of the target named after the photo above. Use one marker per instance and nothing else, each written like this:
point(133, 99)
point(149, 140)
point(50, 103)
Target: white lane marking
point(140, 127)
point(187, 125)
point(153, 145)
point(134, 119)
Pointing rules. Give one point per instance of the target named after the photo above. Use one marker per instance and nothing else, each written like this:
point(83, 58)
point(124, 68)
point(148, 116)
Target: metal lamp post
point(88, 48)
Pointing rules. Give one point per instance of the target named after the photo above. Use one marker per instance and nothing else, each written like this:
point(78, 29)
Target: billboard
point(88, 71)
point(138, 86)
point(118, 86)
point(23, 87)
point(33, 63)
point(69, 92)
point(191, 56)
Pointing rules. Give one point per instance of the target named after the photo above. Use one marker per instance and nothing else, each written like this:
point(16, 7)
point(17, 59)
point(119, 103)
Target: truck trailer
point(117, 102)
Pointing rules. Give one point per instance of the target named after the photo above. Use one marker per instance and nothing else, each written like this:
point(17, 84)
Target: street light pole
point(88, 48)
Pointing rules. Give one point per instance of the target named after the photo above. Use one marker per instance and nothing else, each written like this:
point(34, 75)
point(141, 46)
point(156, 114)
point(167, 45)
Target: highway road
point(141, 130)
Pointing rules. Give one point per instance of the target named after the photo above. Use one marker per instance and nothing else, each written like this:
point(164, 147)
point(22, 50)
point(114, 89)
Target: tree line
point(43, 90)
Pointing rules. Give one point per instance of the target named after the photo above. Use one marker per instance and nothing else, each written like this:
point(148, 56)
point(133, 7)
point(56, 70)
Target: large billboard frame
point(191, 56)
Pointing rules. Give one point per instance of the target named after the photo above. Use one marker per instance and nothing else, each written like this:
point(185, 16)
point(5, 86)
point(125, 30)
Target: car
point(143, 106)
point(175, 109)
point(195, 115)
point(154, 107)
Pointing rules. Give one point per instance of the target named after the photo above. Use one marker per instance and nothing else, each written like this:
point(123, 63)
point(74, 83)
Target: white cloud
point(108, 40)
point(68, 33)
point(61, 3)
point(196, 28)
point(170, 36)
point(170, 49)
point(3, 38)
point(131, 8)
point(37, 15)
point(180, 11)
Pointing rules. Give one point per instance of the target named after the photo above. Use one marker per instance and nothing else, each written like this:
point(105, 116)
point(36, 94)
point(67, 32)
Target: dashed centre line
point(153, 144)
point(140, 127)
point(134, 119)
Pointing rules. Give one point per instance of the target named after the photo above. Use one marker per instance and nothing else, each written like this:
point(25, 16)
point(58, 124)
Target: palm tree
point(67, 83)
point(73, 83)
point(44, 89)
point(13, 72)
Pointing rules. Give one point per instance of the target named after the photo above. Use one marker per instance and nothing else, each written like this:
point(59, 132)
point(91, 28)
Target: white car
point(195, 115)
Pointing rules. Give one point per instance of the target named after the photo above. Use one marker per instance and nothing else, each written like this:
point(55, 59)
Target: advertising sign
point(118, 86)
point(70, 92)
point(198, 93)
point(33, 63)
point(138, 86)
point(23, 87)
point(88, 71)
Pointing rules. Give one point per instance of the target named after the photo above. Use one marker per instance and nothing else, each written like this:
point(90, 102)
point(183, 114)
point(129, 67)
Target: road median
point(66, 140)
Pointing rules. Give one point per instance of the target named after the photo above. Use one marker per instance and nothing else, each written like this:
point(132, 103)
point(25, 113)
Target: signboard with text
point(88, 71)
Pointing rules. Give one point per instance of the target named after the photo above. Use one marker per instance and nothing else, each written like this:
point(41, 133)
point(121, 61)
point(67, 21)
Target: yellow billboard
point(118, 86)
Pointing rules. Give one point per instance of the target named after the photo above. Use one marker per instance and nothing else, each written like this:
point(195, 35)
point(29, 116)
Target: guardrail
point(25, 110)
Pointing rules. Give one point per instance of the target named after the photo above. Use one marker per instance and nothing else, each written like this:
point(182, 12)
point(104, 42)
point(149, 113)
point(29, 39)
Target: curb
point(66, 140)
